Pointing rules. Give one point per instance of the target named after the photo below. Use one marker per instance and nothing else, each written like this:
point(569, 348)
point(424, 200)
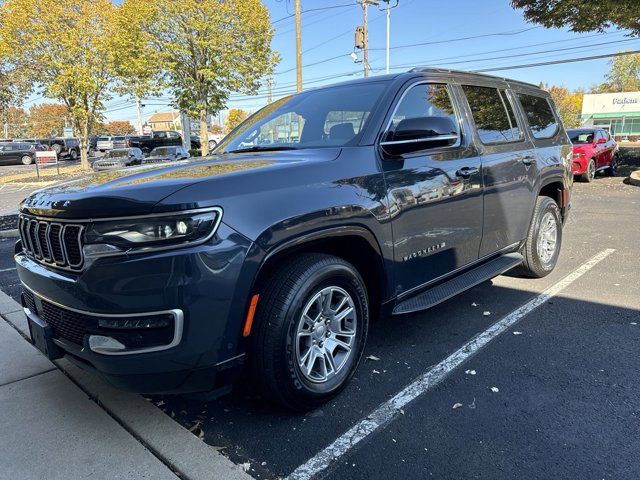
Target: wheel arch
point(355, 244)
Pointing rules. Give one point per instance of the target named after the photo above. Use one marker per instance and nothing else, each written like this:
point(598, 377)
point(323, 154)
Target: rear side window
point(540, 116)
point(492, 114)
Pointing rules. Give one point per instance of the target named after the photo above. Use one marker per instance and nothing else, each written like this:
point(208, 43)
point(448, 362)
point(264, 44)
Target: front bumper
point(207, 284)
point(579, 165)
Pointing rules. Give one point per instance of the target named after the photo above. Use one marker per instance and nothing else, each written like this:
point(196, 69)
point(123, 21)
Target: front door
point(435, 195)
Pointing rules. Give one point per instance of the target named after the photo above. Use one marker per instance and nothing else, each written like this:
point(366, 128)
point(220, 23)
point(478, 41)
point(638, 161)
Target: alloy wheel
point(326, 334)
point(547, 238)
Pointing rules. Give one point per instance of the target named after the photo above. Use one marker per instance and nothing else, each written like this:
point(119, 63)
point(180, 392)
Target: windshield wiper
point(262, 148)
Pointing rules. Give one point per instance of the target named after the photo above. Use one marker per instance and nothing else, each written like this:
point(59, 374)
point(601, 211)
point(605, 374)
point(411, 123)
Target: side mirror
point(419, 133)
point(602, 140)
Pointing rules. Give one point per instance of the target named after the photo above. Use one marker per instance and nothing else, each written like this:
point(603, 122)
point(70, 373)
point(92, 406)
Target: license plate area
point(42, 337)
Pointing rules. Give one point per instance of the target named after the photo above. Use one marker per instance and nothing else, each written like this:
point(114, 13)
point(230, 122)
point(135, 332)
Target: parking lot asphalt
point(565, 378)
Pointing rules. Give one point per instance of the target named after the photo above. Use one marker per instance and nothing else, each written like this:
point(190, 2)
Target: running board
point(459, 283)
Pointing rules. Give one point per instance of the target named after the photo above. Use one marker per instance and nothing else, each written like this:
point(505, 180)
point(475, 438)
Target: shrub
point(195, 152)
point(633, 138)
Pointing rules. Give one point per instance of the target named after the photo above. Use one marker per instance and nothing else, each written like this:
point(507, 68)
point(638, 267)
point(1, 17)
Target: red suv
point(593, 150)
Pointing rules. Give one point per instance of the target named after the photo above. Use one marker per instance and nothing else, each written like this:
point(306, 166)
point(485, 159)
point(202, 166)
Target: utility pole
point(139, 110)
point(365, 32)
point(269, 98)
point(298, 48)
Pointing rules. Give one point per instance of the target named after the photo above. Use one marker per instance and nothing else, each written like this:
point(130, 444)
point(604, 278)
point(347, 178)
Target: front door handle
point(466, 172)
point(528, 159)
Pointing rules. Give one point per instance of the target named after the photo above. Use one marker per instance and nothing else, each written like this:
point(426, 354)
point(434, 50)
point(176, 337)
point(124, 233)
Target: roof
point(163, 117)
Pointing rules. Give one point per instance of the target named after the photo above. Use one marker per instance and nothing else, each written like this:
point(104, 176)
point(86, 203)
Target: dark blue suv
point(376, 197)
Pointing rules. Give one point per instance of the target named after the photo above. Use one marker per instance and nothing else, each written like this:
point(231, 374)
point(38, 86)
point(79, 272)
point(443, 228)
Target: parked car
point(92, 148)
point(214, 140)
point(19, 152)
point(160, 138)
point(399, 192)
point(119, 158)
point(66, 148)
point(166, 154)
point(594, 150)
point(104, 144)
point(121, 141)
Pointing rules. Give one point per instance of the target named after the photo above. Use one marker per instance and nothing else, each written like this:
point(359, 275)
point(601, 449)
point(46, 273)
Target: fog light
point(100, 344)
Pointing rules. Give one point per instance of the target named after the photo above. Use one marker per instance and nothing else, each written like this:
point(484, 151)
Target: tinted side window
point(539, 114)
point(492, 114)
point(426, 100)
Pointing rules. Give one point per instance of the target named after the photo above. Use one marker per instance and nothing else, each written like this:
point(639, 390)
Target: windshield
point(581, 136)
point(162, 151)
point(103, 139)
point(118, 138)
point(327, 117)
point(117, 153)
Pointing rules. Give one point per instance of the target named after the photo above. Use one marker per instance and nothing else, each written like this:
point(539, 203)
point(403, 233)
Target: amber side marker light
point(249, 321)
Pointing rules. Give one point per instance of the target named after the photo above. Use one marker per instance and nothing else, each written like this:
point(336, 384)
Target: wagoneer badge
point(424, 251)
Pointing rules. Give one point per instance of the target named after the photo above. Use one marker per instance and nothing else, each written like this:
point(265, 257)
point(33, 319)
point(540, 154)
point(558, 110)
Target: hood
point(136, 190)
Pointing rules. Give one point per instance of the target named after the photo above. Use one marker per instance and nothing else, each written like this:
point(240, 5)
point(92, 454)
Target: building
point(165, 121)
point(619, 113)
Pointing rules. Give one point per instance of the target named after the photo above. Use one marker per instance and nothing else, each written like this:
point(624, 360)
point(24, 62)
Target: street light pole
point(298, 47)
point(388, 10)
point(139, 110)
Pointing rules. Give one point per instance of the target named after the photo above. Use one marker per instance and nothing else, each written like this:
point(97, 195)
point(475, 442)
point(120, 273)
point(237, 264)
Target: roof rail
point(449, 70)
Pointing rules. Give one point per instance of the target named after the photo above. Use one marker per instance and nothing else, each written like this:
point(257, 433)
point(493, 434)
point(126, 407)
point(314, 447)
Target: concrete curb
point(13, 233)
point(185, 453)
point(634, 178)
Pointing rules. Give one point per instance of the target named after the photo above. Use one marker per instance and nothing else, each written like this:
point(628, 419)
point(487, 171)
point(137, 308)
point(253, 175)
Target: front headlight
point(150, 232)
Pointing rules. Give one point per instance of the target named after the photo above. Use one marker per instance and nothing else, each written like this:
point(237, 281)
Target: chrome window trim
point(435, 138)
point(178, 324)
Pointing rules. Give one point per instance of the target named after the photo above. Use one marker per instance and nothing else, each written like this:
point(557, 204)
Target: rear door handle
point(466, 172)
point(528, 159)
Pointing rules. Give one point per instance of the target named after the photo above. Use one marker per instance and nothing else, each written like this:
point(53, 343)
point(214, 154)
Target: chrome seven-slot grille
point(52, 243)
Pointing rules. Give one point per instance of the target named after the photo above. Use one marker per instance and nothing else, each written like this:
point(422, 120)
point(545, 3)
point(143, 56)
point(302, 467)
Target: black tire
point(26, 160)
point(590, 173)
point(91, 152)
point(534, 266)
point(613, 166)
point(274, 343)
point(73, 155)
point(212, 144)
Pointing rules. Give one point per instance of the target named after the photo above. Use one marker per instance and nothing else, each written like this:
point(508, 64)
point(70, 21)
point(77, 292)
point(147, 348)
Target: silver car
point(119, 158)
point(104, 144)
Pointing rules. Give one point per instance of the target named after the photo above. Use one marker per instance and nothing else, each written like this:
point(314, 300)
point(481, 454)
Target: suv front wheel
point(542, 246)
point(310, 330)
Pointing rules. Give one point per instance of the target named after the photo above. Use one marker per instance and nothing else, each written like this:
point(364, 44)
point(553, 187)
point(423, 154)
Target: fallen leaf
point(474, 304)
point(495, 389)
point(373, 357)
point(401, 411)
point(457, 405)
point(633, 323)
point(375, 371)
point(486, 313)
point(245, 466)
point(517, 333)
point(470, 372)
point(160, 403)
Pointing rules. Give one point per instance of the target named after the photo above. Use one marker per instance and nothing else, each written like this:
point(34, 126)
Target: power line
point(312, 10)
point(556, 62)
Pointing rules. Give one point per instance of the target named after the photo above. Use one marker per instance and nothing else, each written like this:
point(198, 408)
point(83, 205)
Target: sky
point(459, 34)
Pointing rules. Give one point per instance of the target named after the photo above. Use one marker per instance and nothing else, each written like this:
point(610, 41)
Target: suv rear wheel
point(27, 160)
point(310, 330)
point(73, 154)
point(542, 246)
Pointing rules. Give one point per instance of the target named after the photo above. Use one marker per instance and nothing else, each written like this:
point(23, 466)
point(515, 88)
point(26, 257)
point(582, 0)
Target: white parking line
point(385, 412)
point(7, 269)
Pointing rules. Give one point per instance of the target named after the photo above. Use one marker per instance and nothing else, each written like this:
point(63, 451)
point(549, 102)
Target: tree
point(119, 127)
point(235, 117)
point(623, 76)
point(216, 129)
point(68, 60)
point(48, 119)
point(207, 50)
point(582, 15)
point(568, 104)
point(14, 87)
point(17, 122)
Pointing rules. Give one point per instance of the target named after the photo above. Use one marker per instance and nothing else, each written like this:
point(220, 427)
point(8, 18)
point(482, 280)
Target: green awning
point(610, 115)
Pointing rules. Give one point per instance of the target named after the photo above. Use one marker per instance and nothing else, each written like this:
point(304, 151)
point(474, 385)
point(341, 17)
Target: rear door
point(509, 169)
point(435, 195)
